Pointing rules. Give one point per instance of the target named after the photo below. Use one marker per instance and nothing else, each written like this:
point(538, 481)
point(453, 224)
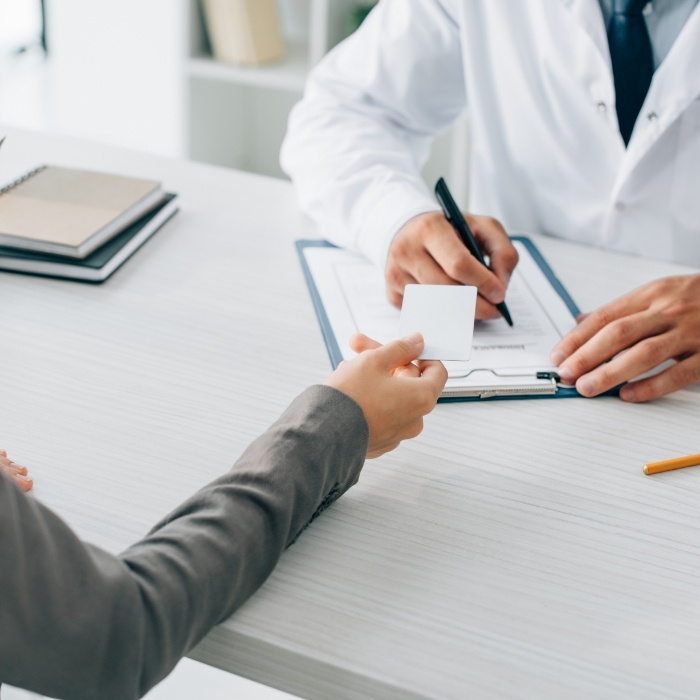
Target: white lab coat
point(546, 151)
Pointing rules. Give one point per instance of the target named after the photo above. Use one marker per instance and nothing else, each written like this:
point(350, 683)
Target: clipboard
point(348, 296)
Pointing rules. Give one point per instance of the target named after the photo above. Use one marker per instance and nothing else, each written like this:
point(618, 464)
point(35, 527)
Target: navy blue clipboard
point(336, 356)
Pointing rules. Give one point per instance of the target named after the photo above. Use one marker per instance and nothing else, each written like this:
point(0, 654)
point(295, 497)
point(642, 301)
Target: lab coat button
point(653, 117)
point(602, 107)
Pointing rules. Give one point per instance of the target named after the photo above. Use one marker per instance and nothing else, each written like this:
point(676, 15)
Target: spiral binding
point(22, 179)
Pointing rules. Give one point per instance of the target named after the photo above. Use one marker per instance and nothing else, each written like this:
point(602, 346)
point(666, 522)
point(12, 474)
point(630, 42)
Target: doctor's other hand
point(393, 393)
point(16, 472)
point(657, 322)
point(427, 250)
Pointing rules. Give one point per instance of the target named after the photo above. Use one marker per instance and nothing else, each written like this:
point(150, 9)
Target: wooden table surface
point(514, 550)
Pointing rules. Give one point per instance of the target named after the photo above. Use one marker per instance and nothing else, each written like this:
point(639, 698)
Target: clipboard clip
point(546, 385)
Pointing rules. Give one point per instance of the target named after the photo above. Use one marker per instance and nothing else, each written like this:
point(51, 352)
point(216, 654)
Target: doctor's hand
point(427, 250)
point(393, 393)
point(657, 322)
point(17, 473)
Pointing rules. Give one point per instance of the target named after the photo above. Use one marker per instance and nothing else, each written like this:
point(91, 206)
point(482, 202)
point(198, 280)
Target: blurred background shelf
point(142, 75)
point(236, 115)
point(290, 75)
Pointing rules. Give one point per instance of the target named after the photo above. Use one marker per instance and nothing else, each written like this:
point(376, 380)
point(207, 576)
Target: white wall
point(115, 72)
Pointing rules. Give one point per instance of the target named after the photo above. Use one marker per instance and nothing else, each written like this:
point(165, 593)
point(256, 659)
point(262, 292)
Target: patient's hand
point(15, 472)
point(393, 391)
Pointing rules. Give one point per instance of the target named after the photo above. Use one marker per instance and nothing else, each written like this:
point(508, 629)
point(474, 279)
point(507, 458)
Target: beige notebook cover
point(71, 212)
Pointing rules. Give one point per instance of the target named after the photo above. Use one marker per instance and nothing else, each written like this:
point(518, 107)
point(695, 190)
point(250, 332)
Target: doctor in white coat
point(555, 150)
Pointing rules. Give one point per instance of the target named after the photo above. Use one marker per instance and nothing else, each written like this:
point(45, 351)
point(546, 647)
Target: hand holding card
point(444, 315)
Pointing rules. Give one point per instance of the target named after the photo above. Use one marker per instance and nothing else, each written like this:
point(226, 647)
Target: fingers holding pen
point(427, 250)
point(496, 244)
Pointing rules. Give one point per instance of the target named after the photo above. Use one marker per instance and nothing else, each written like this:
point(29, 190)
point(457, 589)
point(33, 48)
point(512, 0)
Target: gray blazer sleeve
point(77, 622)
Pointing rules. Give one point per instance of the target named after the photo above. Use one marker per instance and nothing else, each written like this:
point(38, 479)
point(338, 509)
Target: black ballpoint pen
point(455, 217)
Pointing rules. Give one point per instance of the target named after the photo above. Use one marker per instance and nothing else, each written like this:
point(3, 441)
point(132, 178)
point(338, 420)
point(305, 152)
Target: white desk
point(514, 550)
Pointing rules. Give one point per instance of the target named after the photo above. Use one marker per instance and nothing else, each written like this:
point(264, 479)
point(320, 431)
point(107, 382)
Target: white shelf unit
point(237, 116)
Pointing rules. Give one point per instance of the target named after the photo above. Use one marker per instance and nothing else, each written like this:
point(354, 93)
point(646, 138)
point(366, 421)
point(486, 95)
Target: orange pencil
point(668, 464)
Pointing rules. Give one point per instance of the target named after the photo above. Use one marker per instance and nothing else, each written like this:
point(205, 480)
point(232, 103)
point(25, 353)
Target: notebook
point(100, 264)
point(349, 296)
point(64, 211)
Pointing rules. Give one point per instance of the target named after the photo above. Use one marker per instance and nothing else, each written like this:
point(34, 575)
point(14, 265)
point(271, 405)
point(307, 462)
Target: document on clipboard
point(348, 293)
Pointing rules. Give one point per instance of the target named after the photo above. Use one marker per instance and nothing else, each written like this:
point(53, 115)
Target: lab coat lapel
point(590, 18)
point(675, 85)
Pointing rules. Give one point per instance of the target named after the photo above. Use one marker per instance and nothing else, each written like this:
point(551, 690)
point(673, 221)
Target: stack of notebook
point(77, 224)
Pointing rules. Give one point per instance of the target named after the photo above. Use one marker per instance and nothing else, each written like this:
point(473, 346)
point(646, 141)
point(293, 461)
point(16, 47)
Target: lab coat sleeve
point(79, 623)
point(357, 141)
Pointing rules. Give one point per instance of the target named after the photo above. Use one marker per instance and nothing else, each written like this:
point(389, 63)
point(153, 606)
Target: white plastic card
point(444, 315)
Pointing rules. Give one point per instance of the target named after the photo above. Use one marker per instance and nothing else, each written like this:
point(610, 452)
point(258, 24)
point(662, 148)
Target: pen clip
point(443, 204)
